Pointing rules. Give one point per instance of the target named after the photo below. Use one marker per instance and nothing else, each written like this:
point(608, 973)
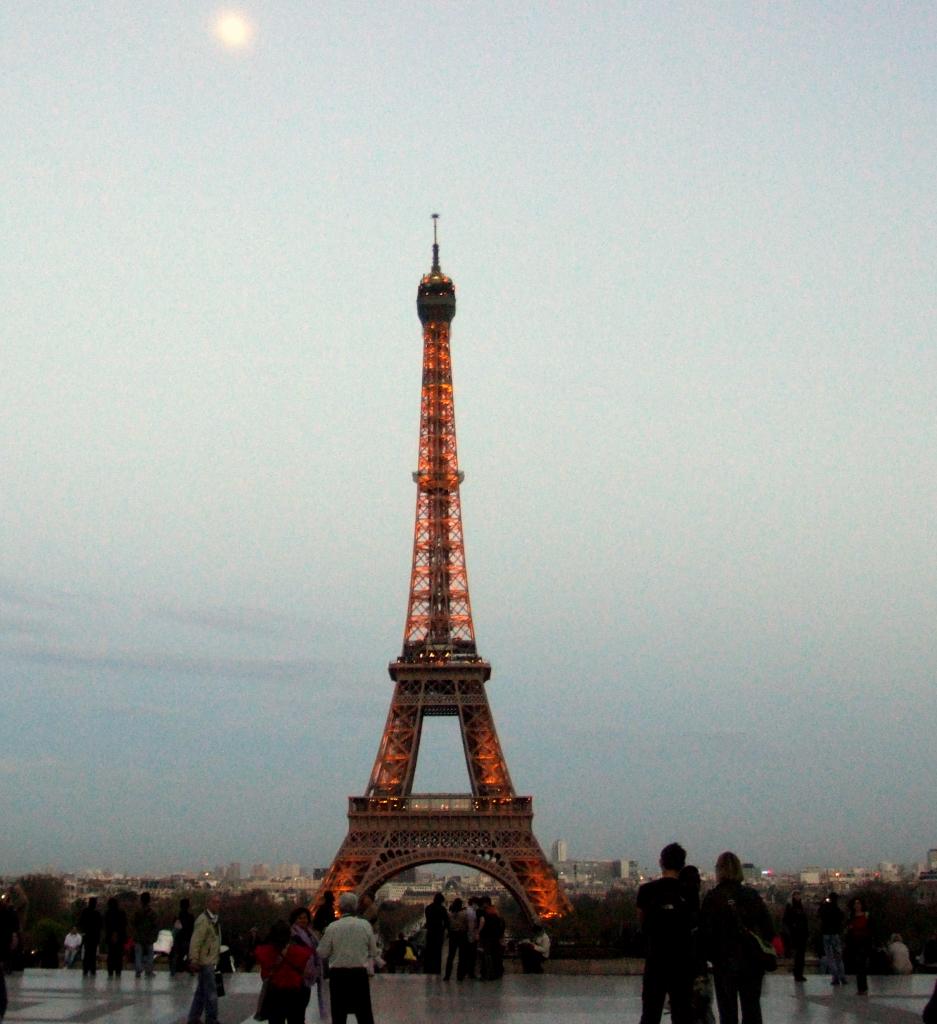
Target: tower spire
point(436, 269)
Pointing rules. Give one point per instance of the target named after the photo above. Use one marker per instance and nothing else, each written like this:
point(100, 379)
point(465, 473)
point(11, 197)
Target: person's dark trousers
point(3, 993)
point(457, 944)
point(531, 959)
point(349, 992)
point(432, 955)
point(115, 958)
point(285, 1005)
point(860, 955)
point(735, 989)
point(661, 980)
point(470, 953)
point(89, 958)
point(179, 959)
point(492, 962)
point(800, 955)
point(206, 996)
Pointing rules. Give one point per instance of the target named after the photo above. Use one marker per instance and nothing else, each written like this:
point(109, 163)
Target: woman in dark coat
point(115, 936)
point(732, 919)
point(859, 943)
point(437, 924)
point(797, 930)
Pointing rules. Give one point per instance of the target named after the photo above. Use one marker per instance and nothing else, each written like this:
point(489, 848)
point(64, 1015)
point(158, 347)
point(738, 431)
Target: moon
point(233, 29)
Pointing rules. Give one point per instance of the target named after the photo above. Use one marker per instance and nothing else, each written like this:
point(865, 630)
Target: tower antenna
point(435, 244)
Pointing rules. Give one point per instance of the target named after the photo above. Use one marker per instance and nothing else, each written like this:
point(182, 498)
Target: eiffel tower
point(439, 672)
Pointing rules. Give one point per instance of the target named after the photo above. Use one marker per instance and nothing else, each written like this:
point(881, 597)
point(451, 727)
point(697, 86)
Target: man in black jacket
point(831, 926)
point(9, 942)
point(795, 927)
point(90, 924)
point(667, 921)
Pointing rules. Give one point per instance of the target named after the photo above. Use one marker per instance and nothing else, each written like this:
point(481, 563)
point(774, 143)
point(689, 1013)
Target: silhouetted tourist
point(115, 936)
point(667, 921)
point(368, 909)
point(471, 936)
point(181, 937)
point(797, 930)
point(533, 952)
point(348, 944)
point(701, 996)
point(72, 947)
point(283, 962)
point(399, 955)
point(9, 944)
point(458, 939)
point(145, 932)
point(324, 913)
point(734, 921)
point(929, 1016)
point(48, 951)
point(204, 951)
point(437, 922)
point(90, 924)
point(491, 940)
point(900, 955)
point(831, 927)
point(859, 943)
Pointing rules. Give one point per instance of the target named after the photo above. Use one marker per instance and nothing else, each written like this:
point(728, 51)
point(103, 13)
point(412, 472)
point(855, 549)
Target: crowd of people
point(475, 931)
point(121, 938)
point(297, 956)
point(846, 936)
point(700, 952)
point(718, 949)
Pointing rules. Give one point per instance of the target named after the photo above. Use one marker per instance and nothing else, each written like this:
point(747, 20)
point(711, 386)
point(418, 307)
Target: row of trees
point(612, 922)
point(46, 913)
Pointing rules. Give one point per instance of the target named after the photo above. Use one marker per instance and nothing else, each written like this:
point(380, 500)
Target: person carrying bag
point(283, 963)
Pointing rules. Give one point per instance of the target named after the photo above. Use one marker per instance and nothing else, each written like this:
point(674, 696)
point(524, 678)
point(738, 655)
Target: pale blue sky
point(695, 371)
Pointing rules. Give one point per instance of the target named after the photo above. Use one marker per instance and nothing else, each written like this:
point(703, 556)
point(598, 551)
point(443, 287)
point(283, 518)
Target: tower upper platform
point(435, 297)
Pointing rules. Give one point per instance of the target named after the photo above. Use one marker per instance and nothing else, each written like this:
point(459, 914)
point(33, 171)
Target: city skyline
point(575, 871)
point(239, 870)
point(694, 368)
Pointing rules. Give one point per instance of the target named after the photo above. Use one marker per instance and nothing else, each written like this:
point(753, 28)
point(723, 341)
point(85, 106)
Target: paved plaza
point(48, 997)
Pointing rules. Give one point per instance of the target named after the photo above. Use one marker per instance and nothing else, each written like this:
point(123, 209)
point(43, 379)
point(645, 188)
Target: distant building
point(932, 859)
point(588, 873)
point(260, 871)
point(559, 851)
point(233, 872)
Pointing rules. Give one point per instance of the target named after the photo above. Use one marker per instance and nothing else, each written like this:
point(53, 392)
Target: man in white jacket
point(348, 944)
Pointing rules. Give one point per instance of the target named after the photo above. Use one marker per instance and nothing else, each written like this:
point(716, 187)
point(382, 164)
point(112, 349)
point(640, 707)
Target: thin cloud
point(163, 661)
point(227, 620)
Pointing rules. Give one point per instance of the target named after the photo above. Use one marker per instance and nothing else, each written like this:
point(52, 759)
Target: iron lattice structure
point(439, 672)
